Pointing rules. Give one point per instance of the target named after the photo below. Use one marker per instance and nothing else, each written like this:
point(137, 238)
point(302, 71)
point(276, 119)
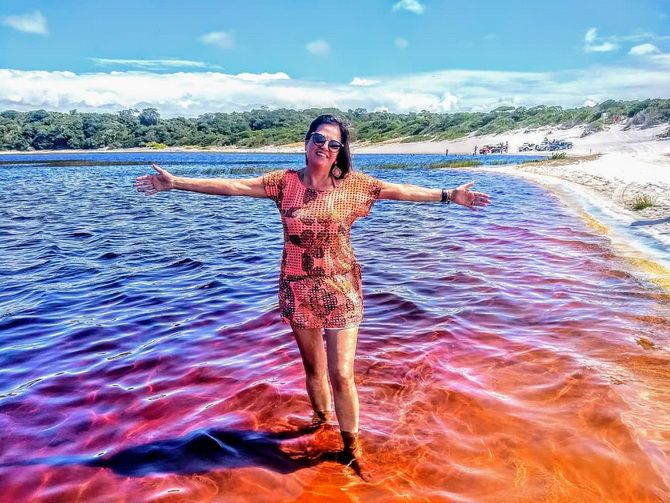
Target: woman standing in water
point(320, 281)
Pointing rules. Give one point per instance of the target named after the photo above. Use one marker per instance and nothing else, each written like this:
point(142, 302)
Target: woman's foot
point(352, 455)
point(320, 418)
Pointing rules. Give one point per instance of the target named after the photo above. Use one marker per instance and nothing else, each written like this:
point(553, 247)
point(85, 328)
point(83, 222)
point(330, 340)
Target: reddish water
point(505, 356)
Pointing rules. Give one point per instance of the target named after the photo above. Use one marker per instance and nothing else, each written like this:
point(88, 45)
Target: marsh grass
point(642, 201)
point(558, 155)
point(456, 163)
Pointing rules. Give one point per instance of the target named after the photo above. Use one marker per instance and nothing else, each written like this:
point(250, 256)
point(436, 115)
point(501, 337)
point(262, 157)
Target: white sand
point(641, 142)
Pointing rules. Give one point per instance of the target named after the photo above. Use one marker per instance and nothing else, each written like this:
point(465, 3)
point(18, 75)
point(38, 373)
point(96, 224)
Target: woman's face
point(320, 156)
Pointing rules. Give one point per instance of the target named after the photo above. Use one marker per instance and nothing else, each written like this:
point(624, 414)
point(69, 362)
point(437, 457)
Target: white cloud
point(262, 77)
point(604, 47)
point(590, 103)
point(638, 37)
point(401, 43)
point(193, 93)
point(410, 5)
point(33, 22)
point(357, 81)
point(595, 43)
point(643, 49)
point(591, 35)
point(590, 46)
point(219, 38)
point(318, 47)
point(151, 64)
point(661, 61)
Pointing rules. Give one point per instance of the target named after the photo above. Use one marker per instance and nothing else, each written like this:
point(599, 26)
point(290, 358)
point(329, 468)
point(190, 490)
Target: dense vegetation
point(39, 129)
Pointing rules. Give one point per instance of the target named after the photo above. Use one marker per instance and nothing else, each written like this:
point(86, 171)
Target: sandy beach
point(604, 174)
point(602, 177)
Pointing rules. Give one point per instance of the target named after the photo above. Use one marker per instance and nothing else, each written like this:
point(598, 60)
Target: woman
point(320, 281)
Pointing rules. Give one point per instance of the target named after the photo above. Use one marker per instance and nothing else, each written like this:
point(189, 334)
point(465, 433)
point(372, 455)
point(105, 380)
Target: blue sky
point(187, 58)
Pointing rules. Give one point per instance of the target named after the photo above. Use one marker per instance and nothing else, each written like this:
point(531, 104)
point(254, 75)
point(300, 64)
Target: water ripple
point(507, 354)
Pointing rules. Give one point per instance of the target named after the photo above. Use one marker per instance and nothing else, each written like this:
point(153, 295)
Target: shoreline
point(600, 179)
point(591, 189)
point(616, 138)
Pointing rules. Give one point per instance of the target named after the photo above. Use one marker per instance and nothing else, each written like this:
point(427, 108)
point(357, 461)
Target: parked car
point(498, 148)
point(553, 145)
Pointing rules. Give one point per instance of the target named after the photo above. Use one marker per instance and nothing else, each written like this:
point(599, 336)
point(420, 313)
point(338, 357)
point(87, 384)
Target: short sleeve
point(366, 189)
point(273, 184)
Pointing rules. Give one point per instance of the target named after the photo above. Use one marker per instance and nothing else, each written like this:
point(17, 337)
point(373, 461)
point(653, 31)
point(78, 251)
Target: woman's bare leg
point(341, 350)
point(310, 343)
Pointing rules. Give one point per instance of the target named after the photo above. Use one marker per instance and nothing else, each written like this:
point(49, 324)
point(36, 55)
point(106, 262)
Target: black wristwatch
point(446, 196)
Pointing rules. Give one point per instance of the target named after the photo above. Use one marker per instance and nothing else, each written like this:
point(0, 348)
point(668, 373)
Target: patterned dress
point(320, 280)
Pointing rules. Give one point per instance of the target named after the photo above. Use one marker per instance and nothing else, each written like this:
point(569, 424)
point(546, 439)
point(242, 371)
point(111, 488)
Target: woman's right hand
point(150, 184)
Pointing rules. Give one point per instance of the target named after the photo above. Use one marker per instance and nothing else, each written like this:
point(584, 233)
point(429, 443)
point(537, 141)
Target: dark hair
point(343, 160)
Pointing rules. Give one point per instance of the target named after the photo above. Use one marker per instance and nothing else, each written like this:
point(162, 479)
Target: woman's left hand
point(464, 196)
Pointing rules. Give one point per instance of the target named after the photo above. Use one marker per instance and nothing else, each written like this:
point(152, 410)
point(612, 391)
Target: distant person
point(320, 281)
point(475, 152)
point(446, 152)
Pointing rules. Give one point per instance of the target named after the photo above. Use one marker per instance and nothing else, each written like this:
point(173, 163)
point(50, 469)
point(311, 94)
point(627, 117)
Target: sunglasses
point(320, 140)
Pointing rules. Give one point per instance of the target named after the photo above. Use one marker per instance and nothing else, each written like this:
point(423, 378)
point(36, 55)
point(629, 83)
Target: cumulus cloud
point(219, 39)
point(590, 44)
point(643, 49)
point(409, 5)
point(318, 47)
point(151, 64)
point(401, 43)
point(33, 22)
point(195, 93)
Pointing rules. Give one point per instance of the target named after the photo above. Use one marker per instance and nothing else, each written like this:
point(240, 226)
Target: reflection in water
point(506, 355)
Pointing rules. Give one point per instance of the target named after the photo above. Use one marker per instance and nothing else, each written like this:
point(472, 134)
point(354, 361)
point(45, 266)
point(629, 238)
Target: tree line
point(41, 130)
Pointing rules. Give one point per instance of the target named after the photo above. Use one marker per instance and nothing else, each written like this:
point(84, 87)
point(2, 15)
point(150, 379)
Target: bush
point(591, 128)
point(643, 119)
point(155, 144)
point(558, 155)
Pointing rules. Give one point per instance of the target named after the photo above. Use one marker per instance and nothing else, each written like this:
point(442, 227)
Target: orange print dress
point(320, 280)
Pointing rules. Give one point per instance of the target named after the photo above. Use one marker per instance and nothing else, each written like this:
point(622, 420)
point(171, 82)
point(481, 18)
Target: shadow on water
point(199, 452)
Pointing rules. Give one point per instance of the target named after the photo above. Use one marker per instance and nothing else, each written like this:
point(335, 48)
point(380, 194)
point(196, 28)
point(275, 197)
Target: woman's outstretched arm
point(460, 195)
point(163, 180)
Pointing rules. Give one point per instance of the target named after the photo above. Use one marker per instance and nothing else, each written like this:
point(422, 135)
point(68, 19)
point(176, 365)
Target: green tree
point(149, 117)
